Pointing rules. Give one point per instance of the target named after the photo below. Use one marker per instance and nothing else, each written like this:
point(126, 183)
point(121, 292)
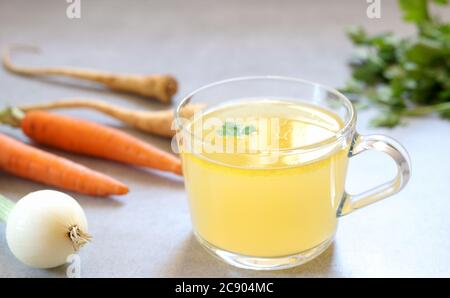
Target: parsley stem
point(424, 110)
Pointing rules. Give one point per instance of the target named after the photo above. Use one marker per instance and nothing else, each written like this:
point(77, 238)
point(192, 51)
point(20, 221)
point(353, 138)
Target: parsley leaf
point(233, 129)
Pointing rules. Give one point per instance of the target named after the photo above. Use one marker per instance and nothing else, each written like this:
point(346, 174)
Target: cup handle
point(397, 152)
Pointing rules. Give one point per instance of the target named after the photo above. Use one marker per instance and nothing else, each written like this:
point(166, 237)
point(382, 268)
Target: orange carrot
point(160, 87)
point(89, 138)
point(27, 162)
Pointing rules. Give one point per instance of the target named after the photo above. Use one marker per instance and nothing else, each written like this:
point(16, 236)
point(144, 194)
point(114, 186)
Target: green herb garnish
point(403, 76)
point(234, 129)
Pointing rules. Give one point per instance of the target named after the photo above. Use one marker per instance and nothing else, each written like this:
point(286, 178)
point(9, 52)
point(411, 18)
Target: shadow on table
point(192, 260)
point(60, 272)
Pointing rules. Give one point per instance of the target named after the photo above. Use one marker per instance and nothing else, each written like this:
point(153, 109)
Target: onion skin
point(38, 227)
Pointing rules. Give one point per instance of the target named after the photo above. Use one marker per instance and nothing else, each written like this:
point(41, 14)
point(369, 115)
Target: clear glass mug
point(270, 217)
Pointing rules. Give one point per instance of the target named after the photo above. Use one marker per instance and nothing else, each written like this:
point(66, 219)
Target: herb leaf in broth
point(235, 129)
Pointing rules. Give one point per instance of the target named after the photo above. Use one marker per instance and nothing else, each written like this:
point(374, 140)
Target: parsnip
point(160, 87)
point(153, 122)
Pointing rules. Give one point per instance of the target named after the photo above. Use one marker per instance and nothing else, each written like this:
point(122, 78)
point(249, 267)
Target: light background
point(147, 233)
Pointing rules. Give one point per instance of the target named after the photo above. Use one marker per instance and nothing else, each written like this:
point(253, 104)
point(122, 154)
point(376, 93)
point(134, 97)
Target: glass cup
point(272, 207)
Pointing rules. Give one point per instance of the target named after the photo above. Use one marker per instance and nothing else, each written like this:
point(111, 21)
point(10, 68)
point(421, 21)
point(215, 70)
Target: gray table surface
point(148, 233)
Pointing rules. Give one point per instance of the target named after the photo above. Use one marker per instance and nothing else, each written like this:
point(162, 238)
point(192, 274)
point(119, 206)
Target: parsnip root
point(153, 122)
point(160, 87)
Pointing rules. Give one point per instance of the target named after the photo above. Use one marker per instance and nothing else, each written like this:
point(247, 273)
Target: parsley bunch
point(403, 76)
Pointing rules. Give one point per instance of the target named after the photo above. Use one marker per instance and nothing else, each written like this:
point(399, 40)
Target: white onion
point(45, 227)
